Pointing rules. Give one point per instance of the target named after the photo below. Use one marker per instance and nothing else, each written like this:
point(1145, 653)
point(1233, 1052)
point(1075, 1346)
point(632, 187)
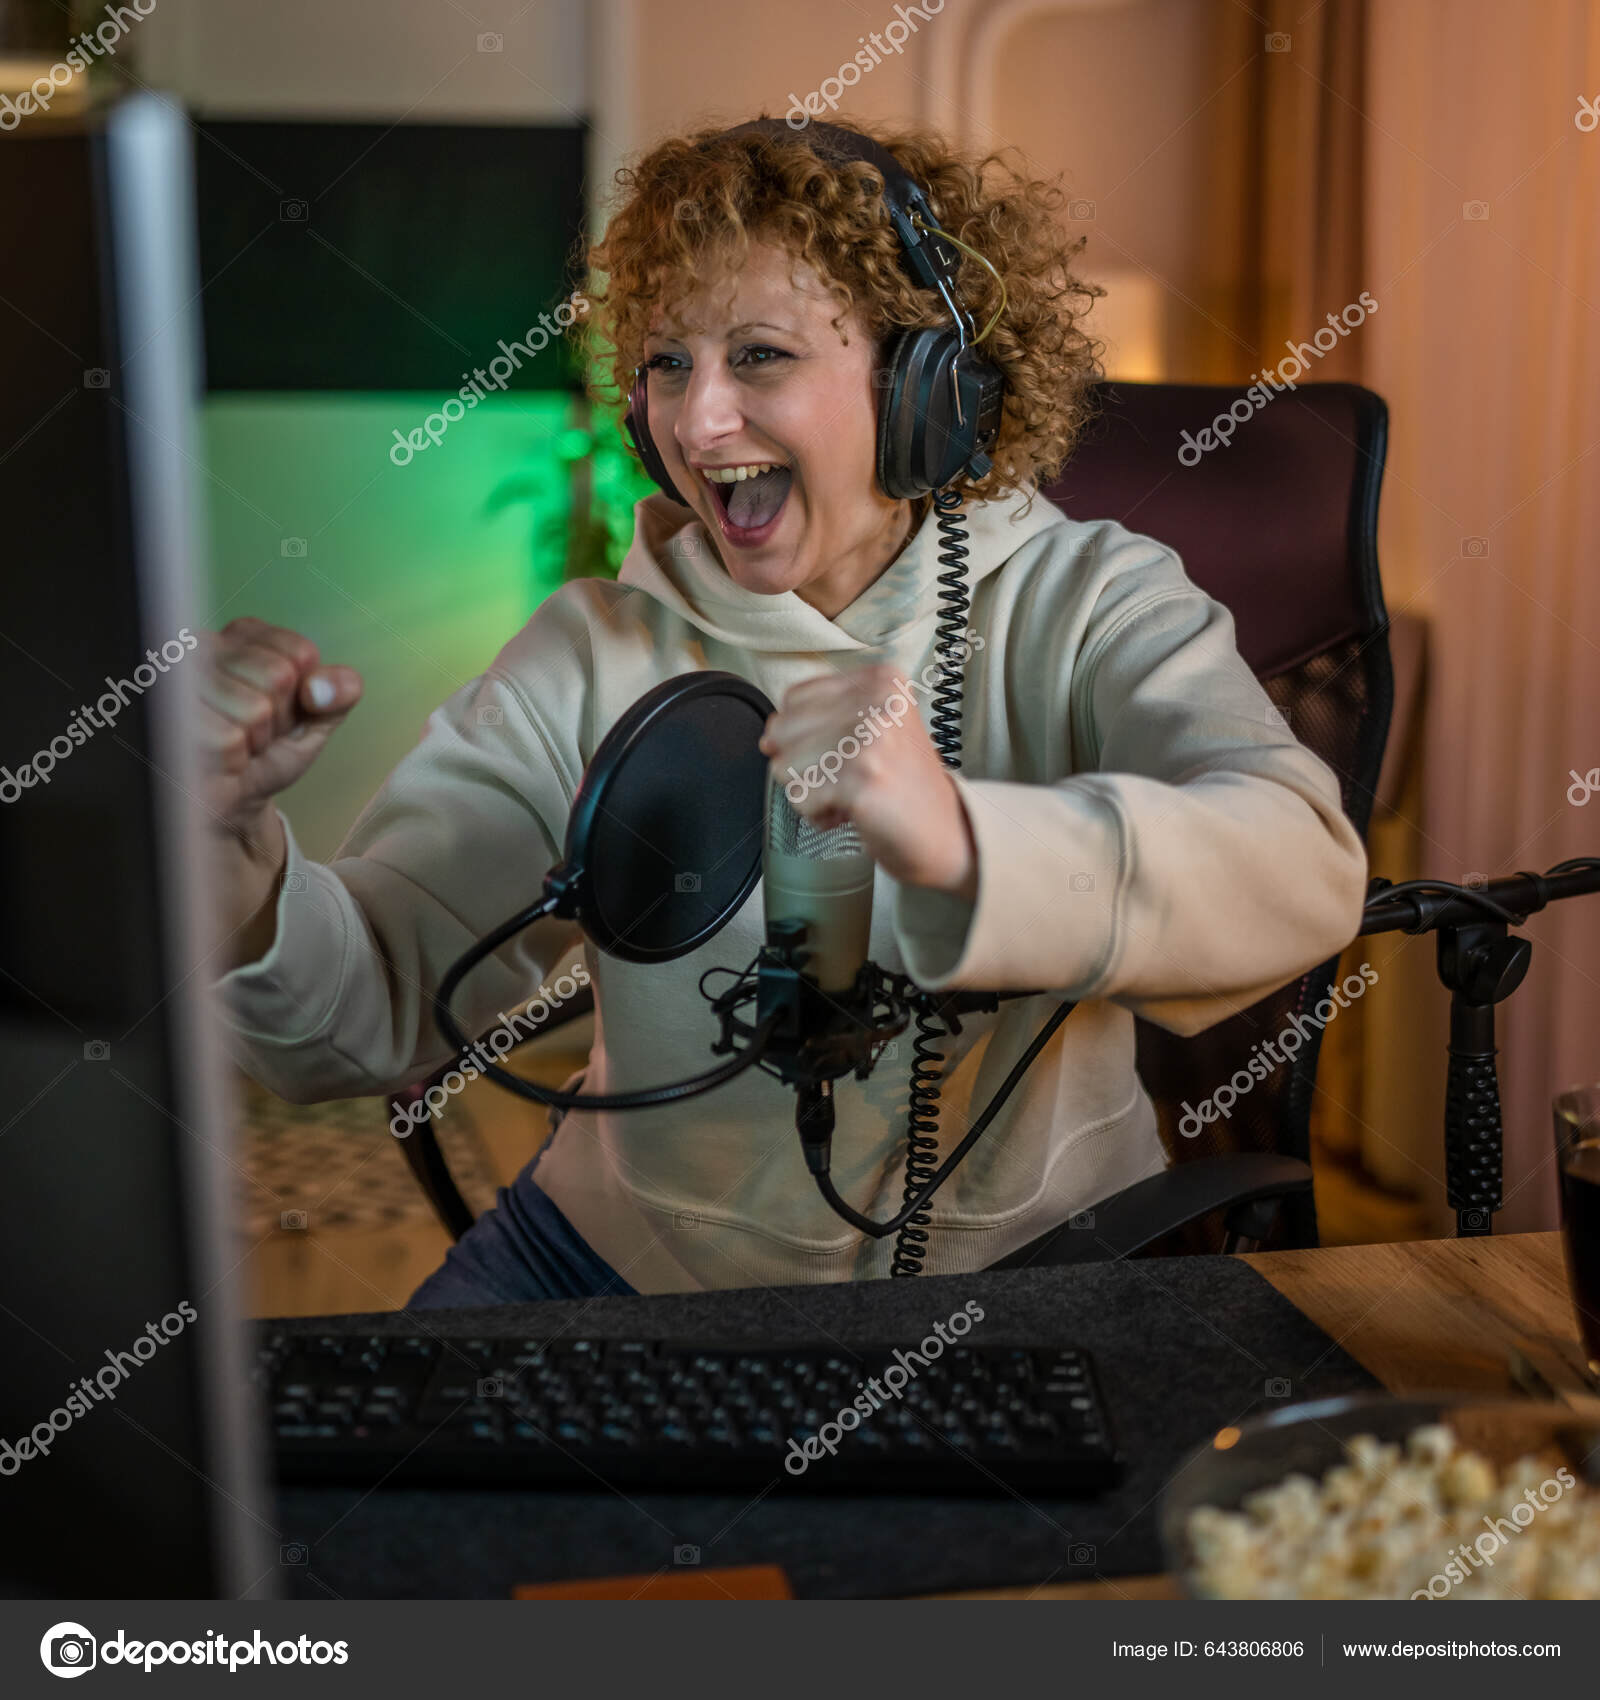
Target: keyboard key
point(1064, 1396)
point(630, 1353)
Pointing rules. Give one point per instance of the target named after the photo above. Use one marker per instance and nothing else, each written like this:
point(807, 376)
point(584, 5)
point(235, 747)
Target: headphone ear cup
point(922, 445)
point(916, 417)
point(636, 422)
point(894, 443)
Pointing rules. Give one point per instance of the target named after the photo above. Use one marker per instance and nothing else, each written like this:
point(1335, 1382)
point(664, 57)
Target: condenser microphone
point(821, 877)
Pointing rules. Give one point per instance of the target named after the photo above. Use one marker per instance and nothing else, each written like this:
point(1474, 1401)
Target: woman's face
point(759, 377)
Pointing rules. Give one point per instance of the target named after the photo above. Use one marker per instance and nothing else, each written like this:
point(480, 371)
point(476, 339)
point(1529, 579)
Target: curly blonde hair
point(700, 200)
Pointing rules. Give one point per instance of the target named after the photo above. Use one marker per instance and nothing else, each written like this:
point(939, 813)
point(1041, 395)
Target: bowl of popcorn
point(1380, 1498)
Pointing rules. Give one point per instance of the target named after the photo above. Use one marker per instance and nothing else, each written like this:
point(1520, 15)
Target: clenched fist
point(267, 707)
point(852, 747)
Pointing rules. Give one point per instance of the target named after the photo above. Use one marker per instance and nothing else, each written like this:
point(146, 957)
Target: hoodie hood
point(673, 560)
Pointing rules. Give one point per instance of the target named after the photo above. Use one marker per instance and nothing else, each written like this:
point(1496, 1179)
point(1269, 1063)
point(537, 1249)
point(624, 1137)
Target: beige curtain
point(1280, 225)
point(1423, 151)
point(1483, 250)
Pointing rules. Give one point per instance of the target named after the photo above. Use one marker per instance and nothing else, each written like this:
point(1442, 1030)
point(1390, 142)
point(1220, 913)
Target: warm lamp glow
point(1130, 318)
point(21, 71)
point(1225, 1439)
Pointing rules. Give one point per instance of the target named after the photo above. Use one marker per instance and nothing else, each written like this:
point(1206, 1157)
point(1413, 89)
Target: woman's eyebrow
point(674, 334)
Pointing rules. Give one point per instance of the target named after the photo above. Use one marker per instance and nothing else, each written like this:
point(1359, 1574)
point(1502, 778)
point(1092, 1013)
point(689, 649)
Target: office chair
point(1280, 527)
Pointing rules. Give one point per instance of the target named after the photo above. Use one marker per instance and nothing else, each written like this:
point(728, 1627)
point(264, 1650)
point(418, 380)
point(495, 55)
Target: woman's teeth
point(737, 474)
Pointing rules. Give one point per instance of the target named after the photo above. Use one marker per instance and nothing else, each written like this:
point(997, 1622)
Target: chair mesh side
point(1336, 704)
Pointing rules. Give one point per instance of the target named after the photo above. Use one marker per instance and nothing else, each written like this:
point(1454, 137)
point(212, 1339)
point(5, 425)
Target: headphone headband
point(932, 263)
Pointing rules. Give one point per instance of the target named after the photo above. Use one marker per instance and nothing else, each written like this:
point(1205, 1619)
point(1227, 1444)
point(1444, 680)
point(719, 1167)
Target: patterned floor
point(310, 1166)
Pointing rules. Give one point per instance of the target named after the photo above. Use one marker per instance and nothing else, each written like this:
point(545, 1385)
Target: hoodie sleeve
point(458, 839)
point(1197, 856)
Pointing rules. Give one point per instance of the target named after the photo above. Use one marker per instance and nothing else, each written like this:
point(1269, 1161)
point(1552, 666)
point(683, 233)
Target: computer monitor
point(128, 1459)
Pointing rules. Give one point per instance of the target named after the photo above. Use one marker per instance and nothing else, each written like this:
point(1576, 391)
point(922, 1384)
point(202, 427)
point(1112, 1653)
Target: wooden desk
point(1424, 1316)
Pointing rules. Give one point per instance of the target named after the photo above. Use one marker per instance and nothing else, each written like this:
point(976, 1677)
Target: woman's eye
point(756, 354)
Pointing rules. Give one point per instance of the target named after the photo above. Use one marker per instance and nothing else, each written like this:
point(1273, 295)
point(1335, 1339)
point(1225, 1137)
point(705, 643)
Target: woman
point(1131, 827)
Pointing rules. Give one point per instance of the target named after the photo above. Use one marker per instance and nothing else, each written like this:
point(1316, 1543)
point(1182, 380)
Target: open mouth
point(750, 505)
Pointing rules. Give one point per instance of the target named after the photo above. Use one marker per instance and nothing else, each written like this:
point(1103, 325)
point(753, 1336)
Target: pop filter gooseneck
point(663, 847)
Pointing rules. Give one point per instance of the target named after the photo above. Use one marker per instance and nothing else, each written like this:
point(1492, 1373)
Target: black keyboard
point(416, 1408)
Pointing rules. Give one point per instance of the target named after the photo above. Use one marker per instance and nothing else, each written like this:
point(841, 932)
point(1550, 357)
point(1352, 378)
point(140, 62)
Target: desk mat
point(1184, 1347)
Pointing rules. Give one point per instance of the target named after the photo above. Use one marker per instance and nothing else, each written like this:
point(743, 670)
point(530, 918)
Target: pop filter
point(664, 839)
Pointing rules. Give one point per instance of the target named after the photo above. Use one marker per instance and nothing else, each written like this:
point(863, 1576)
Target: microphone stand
point(1480, 966)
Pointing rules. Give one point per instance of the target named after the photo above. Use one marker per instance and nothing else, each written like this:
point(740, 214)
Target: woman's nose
point(708, 413)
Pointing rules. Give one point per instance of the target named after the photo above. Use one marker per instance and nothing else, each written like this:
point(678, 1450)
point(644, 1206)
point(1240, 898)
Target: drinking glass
point(1578, 1155)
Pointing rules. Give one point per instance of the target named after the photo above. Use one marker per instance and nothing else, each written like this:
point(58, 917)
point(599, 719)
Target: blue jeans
point(521, 1250)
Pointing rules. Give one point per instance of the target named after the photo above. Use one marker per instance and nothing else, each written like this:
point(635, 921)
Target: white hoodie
point(1151, 839)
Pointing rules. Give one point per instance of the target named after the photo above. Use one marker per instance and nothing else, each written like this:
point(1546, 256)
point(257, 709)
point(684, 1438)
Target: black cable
point(950, 642)
point(639, 1100)
point(913, 1222)
point(880, 1230)
point(1380, 891)
point(1466, 893)
point(922, 1110)
point(922, 1145)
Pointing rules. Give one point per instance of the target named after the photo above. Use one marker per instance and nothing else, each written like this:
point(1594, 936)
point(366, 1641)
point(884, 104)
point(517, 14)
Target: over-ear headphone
point(939, 410)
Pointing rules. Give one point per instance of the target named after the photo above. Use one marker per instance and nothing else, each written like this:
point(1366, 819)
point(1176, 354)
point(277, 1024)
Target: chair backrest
point(1279, 524)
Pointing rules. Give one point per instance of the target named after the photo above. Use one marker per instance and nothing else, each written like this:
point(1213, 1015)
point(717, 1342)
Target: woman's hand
point(267, 709)
point(852, 747)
